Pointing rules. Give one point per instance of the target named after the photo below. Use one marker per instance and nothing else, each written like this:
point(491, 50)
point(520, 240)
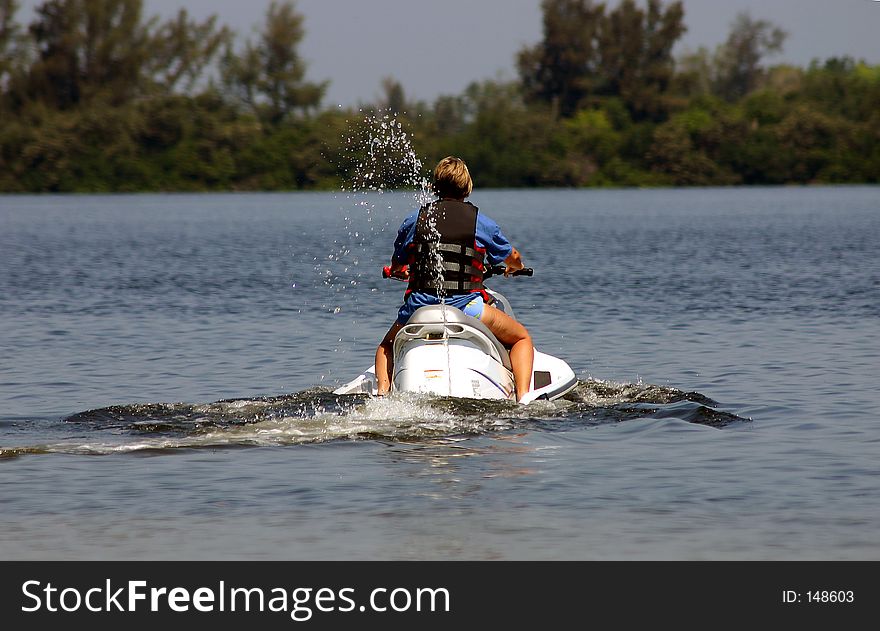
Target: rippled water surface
point(168, 363)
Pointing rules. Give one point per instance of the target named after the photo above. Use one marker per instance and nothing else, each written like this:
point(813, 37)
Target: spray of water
point(386, 159)
point(381, 160)
point(381, 169)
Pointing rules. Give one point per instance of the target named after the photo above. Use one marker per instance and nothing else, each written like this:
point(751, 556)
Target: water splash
point(388, 160)
point(317, 415)
point(382, 160)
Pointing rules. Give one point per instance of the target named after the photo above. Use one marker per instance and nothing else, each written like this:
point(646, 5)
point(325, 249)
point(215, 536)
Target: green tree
point(11, 42)
point(843, 86)
point(587, 52)
point(87, 48)
point(450, 114)
point(635, 52)
point(393, 97)
point(508, 143)
point(55, 78)
point(738, 62)
point(810, 145)
point(268, 77)
point(182, 49)
point(686, 147)
point(562, 69)
point(593, 137)
point(693, 73)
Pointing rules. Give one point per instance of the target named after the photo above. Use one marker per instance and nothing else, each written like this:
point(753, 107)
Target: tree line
point(96, 96)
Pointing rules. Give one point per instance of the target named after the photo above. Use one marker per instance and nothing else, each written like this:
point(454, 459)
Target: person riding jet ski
point(442, 250)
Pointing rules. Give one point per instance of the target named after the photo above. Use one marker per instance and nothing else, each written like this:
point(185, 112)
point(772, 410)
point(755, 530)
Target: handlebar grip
point(386, 273)
point(498, 270)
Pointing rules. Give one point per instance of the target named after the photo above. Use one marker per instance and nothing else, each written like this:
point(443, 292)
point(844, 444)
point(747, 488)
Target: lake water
point(168, 363)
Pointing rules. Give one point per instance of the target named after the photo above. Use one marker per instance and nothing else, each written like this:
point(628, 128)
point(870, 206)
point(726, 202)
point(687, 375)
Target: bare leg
point(385, 360)
point(513, 334)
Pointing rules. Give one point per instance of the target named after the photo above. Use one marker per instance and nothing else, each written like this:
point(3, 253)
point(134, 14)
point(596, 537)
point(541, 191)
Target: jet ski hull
point(444, 352)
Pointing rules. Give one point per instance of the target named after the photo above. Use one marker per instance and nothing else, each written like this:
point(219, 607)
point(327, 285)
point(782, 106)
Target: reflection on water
point(441, 460)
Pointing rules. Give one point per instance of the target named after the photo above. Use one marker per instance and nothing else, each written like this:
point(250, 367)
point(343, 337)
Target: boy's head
point(452, 179)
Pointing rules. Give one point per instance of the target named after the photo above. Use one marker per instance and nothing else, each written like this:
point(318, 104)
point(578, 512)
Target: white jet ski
point(445, 352)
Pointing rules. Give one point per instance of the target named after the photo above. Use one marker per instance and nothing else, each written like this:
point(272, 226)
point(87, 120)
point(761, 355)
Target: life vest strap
point(470, 270)
point(458, 249)
point(454, 248)
point(465, 286)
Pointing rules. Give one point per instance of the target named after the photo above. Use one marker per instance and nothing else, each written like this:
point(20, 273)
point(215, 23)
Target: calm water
point(167, 363)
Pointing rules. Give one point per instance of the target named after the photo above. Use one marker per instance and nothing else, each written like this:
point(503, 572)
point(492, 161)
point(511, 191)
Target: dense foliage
point(96, 97)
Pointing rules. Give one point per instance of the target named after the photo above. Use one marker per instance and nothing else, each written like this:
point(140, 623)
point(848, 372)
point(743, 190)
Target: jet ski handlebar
point(498, 270)
point(494, 270)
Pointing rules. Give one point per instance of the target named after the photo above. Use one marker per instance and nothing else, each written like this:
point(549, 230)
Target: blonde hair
point(452, 178)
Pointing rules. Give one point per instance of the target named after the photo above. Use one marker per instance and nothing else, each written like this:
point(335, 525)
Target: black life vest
point(446, 236)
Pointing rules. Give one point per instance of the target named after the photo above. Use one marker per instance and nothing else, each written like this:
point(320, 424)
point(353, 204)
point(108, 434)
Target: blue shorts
point(471, 304)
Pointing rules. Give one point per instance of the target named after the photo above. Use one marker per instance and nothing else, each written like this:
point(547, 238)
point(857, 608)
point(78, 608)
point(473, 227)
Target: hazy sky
point(439, 46)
